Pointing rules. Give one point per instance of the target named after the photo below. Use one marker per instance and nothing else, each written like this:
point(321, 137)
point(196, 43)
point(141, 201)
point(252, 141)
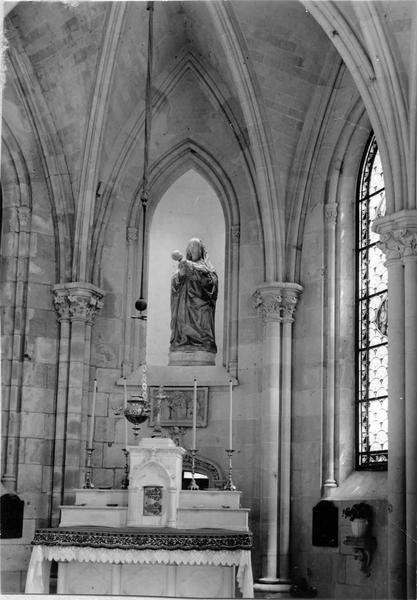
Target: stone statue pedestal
point(189, 358)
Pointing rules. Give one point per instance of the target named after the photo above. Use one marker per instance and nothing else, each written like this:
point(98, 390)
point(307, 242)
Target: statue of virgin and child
point(194, 288)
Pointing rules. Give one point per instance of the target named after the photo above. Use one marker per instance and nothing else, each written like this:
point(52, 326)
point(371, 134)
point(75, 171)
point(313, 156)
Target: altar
point(152, 539)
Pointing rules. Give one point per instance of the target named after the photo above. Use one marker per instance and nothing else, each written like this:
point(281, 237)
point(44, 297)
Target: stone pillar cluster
point(399, 242)
point(276, 303)
point(76, 305)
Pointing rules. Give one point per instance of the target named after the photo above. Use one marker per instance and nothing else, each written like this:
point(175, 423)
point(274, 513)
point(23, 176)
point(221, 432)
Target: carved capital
point(399, 244)
point(289, 303)
point(277, 301)
point(409, 243)
point(77, 302)
point(390, 245)
point(268, 304)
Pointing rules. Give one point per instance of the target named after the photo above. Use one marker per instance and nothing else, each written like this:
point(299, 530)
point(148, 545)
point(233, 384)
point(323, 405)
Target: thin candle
point(230, 415)
point(93, 410)
point(194, 414)
point(125, 406)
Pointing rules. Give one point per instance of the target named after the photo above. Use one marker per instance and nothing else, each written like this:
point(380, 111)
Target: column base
point(271, 584)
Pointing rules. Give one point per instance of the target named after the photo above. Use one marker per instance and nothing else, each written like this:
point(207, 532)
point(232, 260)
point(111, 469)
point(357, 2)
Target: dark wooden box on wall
point(11, 511)
point(325, 524)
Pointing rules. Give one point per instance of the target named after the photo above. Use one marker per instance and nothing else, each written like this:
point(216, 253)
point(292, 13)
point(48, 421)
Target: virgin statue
point(194, 289)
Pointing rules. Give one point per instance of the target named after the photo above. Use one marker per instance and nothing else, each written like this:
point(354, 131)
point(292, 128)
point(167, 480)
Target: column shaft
point(269, 450)
point(396, 431)
point(410, 281)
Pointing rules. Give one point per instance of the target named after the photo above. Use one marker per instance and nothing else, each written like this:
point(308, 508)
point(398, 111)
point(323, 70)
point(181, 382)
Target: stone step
point(216, 518)
point(101, 497)
point(209, 499)
point(108, 516)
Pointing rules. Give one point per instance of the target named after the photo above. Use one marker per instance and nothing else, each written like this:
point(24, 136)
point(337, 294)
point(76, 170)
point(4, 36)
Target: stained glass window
point(371, 313)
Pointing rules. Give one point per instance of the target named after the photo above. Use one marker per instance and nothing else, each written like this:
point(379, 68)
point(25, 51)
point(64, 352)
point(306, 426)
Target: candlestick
point(88, 480)
point(230, 414)
point(229, 484)
point(125, 406)
point(194, 415)
point(193, 484)
point(93, 410)
point(125, 480)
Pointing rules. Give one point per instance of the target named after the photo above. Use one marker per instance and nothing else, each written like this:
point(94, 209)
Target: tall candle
point(230, 415)
point(194, 414)
point(93, 410)
point(125, 405)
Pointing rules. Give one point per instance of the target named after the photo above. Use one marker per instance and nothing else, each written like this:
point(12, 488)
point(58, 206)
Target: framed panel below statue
point(177, 406)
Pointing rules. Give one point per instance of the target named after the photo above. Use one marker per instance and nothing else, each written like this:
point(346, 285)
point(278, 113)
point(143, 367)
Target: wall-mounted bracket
point(363, 550)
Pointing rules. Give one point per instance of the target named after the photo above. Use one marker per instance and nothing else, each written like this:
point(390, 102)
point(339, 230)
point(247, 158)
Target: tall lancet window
point(371, 316)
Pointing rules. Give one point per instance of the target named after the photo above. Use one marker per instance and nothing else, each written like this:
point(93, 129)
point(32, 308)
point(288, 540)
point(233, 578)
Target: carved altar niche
point(155, 483)
point(149, 496)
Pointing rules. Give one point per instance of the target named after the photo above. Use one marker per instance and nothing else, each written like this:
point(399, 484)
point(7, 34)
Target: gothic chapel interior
point(282, 133)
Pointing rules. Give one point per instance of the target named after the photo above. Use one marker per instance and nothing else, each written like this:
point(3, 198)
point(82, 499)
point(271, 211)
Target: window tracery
point(371, 317)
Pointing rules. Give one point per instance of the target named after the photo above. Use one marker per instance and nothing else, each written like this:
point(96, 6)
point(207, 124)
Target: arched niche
point(189, 208)
point(186, 162)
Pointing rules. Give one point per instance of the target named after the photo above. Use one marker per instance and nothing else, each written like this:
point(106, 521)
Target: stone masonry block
point(39, 400)
point(33, 424)
point(10, 581)
point(45, 350)
point(75, 399)
point(30, 478)
point(38, 451)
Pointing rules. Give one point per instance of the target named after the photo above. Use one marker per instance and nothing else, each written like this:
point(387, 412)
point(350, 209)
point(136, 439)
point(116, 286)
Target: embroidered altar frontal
point(150, 561)
point(144, 538)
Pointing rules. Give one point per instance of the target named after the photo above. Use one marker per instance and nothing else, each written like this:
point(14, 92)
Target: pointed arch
point(126, 143)
point(56, 173)
point(379, 85)
point(14, 296)
point(271, 196)
point(185, 156)
point(93, 141)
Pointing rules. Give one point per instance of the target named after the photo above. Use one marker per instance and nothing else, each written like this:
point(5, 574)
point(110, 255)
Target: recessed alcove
point(189, 208)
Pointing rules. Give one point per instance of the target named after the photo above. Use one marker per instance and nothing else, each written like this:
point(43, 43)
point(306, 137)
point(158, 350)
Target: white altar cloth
point(37, 581)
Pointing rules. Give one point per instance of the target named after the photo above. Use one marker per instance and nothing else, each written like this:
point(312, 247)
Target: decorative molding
point(330, 213)
point(235, 234)
point(132, 234)
point(23, 215)
point(144, 539)
point(206, 467)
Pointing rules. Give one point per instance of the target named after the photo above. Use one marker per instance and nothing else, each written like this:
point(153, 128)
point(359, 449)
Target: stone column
point(276, 302)
point(15, 327)
point(399, 242)
point(290, 294)
point(233, 300)
point(329, 480)
point(77, 305)
point(409, 239)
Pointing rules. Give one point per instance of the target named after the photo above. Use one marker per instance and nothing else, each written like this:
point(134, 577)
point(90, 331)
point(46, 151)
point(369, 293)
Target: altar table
point(143, 561)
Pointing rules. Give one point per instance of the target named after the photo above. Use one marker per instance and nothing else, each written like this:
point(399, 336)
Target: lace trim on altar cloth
point(224, 558)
